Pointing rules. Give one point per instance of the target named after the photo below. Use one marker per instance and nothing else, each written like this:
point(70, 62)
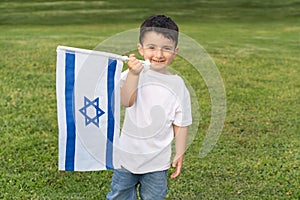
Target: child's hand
point(134, 65)
point(178, 165)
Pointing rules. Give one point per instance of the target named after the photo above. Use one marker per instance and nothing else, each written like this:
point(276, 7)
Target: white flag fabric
point(88, 106)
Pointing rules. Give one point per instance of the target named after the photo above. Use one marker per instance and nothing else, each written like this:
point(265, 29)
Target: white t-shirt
point(145, 142)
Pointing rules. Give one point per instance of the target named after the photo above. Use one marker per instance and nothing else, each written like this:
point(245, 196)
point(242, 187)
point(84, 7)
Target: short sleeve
point(183, 114)
point(123, 77)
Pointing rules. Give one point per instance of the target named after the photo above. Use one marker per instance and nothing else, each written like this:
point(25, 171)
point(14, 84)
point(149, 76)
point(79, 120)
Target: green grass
point(256, 47)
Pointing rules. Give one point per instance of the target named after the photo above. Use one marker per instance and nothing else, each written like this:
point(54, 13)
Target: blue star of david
point(98, 111)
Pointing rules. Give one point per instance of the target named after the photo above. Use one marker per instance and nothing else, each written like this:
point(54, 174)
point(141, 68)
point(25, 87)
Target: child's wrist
point(133, 72)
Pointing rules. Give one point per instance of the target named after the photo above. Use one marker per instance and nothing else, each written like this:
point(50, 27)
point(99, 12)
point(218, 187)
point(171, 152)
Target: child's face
point(158, 49)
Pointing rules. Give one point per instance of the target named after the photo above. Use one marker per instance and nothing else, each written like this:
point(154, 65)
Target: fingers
point(178, 166)
point(134, 65)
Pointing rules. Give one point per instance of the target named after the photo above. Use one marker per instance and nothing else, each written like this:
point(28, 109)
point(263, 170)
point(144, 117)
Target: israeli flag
point(88, 106)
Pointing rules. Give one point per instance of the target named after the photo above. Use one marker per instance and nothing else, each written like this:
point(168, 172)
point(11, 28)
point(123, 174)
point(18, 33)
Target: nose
point(159, 53)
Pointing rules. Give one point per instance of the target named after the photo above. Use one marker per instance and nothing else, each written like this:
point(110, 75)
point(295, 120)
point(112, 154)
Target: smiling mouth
point(158, 61)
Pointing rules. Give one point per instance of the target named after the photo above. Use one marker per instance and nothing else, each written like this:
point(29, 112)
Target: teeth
point(159, 61)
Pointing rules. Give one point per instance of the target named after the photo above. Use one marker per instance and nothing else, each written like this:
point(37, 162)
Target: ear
point(176, 51)
point(140, 49)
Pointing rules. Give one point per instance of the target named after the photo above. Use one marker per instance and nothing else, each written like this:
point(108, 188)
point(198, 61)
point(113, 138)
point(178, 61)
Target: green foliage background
point(256, 46)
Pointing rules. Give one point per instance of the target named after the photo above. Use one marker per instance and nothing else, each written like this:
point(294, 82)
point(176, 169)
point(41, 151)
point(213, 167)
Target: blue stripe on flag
point(110, 112)
point(69, 94)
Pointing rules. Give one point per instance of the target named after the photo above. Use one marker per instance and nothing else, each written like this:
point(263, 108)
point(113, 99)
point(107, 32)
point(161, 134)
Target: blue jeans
point(124, 185)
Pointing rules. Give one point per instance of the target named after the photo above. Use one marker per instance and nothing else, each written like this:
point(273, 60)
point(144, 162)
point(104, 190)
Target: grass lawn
point(256, 47)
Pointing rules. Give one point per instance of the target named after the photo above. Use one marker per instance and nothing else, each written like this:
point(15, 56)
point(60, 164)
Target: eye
point(168, 49)
point(151, 47)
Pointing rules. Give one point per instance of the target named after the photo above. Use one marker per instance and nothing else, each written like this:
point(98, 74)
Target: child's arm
point(180, 134)
point(128, 90)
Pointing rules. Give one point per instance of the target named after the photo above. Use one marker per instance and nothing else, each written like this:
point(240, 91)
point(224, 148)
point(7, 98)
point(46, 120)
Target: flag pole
point(146, 63)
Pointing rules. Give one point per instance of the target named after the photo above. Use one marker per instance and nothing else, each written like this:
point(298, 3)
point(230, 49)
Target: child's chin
point(158, 65)
point(159, 68)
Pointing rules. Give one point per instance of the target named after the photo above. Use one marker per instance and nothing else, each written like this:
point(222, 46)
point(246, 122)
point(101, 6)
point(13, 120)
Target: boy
point(158, 110)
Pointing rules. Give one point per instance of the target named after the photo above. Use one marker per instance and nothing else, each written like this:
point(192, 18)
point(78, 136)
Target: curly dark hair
point(160, 24)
